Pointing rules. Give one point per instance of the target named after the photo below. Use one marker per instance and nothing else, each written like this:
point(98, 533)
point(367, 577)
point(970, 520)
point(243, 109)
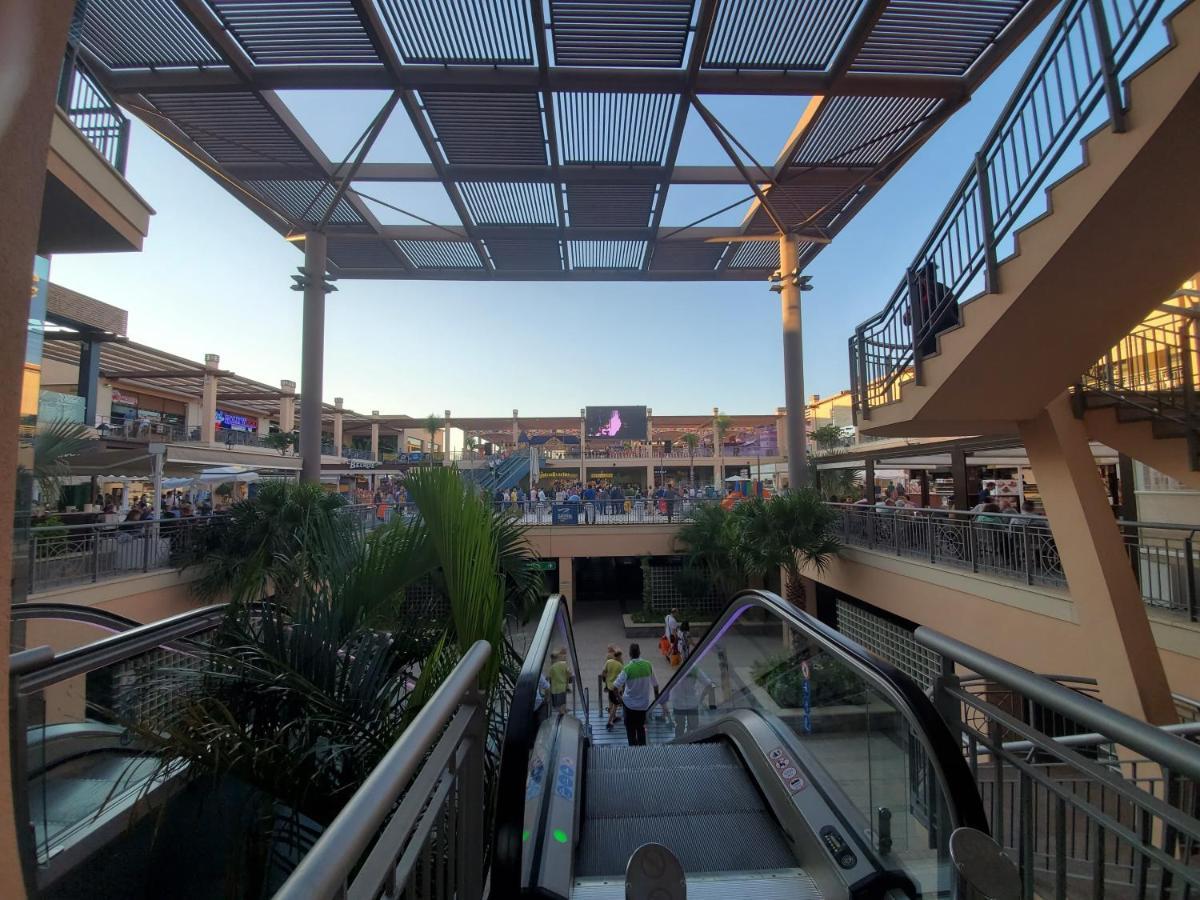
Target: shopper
point(560, 678)
point(635, 683)
point(612, 668)
point(686, 697)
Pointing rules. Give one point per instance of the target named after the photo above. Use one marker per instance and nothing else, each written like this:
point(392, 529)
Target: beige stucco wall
point(572, 541)
point(143, 598)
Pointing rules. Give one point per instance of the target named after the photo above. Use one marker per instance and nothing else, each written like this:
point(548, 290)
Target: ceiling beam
point(164, 373)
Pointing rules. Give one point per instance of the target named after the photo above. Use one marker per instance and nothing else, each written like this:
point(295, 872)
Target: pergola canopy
point(554, 127)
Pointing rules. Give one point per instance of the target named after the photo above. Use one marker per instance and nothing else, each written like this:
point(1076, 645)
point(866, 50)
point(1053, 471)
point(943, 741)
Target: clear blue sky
point(214, 279)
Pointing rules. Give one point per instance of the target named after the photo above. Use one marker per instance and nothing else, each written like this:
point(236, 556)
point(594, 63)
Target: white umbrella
point(737, 478)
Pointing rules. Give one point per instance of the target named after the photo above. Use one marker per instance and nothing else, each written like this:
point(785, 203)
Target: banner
point(565, 513)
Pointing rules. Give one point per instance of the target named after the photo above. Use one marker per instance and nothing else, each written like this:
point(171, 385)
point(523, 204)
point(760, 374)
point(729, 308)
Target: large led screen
point(624, 423)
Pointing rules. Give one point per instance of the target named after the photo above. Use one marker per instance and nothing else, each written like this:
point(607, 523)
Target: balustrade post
point(974, 551)
point(988, 225)
point(1189, 391)
point(932, 535)
point(95, 556)
point(864, 384)
point(1189, 556)
point(122, 147)
point(471, 801)
point(1108, 69)
point(896, 532)
point(1026, 552)
point(870, 526)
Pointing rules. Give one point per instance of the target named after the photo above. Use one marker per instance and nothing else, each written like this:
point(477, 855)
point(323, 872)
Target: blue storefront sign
point(416, 456)
point(565, 513)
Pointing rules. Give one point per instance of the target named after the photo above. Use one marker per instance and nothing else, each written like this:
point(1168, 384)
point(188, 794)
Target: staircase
point(506, 475)
point(1140, 397)
point(1121, 232)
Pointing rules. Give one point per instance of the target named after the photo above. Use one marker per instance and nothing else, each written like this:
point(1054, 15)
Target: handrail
point(1176, 753)
point(323, 870)
point(73, 612)
point(518, 743)
point(122, 646)
point(962, 797)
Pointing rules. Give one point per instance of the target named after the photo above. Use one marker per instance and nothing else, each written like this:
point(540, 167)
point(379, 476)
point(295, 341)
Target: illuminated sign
point(625, 423)
point(234, 422)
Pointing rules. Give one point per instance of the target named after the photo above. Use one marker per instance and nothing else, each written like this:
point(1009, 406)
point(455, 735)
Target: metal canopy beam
point(166, 373)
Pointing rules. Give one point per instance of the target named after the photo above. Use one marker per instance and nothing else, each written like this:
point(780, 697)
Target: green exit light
point(560, 835)
point(525, 835)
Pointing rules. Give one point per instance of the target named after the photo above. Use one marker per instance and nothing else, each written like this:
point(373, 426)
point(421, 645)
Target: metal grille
point(609, 128)
point(441, 254)
point(444, 32)
point(664, 593)
point(683, 255)
point(646, 34)
point(320, 32)
point(933, 37)
point(134, 34)
point(510, 203)
point(756, 255)
point(367, 253)
point(796, 204)
point(861, 131)
point(487, 128)
point(610, 206)
point(234, 127)
point(607, 254)
point(890, 642)
point(525, 255)
point(778, 34)
point(306, 201)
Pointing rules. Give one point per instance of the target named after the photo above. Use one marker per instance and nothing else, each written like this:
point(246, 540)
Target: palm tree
point(722, 423)
point(791, 531)
point(432, 423)
point(835, 484)
point(708, 539)
point(470, 443)
point(301, 698)
point(691, 441)
point(53, 446)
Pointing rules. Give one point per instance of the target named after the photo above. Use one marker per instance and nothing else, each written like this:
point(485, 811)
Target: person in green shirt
point(560, 677)
point(612, 668)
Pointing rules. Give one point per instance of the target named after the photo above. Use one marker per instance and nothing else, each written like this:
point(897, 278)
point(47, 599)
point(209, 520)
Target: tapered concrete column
point(287, 406)
point(650, 475)
point(793, 361)
point(781, 429)
point(312, 357)
point(208, 398)
point(374, 434)
point(89, 379)
point(446, 460)
point(337, 426)
point(516, 430)
point(718, 448)
point(1108, 603)
point(33, 34)
point(582, 439)
point(649, 425)
point(566, 581)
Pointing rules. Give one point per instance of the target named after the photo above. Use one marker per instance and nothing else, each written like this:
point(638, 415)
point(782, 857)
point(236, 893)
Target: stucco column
point(374, 434)
point(649, 425)
point(287, 406)
point(446, 460)
point(781, 429)
point(1108, 603)
point(650, 476)
point(33, 34)
point(718, 451)
point(582, 439)
point(208, 398)
point(566, 582)
point(337, 426)
point(312, 356)
point(516, 430)
point(89, 379)
point(793, 359)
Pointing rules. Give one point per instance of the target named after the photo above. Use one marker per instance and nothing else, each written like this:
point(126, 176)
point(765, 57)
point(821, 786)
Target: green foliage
point(433, 424)
point(709, 539)
point(829, 436)
point(836, 483)
point(722, 423)
point(281, 441)
point(830, 683)
point(53, 445)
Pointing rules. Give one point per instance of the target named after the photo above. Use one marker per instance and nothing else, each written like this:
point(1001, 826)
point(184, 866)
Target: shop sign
point(234, 422)
point(416, 456)
point(573, 474)
point(565, 513)
point(124, 398)
point(364, 464)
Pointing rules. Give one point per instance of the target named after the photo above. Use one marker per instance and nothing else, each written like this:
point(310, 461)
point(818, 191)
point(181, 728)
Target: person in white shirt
point(635, 684)
point(686, 697)
point(671, 625)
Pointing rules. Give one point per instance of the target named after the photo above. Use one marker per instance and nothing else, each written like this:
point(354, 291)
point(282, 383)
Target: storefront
point(236, 421)
point(131, 407)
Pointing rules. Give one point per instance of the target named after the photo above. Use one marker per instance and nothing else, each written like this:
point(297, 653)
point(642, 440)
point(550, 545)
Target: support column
point(566, 582)
point(793, 360)
point(583, 441)
point(516, 430)
point(446, 460)
point(781, 429)
point(718, 452)
point(337, 426)
point(312, 357)
point(1127, 485)
point(287, 406)
point(869, 479)
point(375, 434)
point(958, 472)
point(89, 380)
point(208, 398)
point(649, 426)
point(924, 478)
point(1104, 592)
point(650, 477)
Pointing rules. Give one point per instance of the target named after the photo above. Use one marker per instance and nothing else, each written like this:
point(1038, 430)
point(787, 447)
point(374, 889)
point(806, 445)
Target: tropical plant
point(281, 441)
point(835, 484)
point(302, 696)
point(829, 436)
point(53, 445)
point(708, 539)
point(432, 423)
point(792, 531)
point(691, 441)
point(722, 423)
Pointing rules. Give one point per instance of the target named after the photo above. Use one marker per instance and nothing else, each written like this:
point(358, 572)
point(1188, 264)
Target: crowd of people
point(592, 499)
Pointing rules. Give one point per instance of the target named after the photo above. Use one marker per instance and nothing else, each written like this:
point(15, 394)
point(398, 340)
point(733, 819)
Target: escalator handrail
point(519, 735)
point(73, 612)
point(962, 796)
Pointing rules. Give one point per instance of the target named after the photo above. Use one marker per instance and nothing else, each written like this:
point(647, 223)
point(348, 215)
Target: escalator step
point(725, 842)
point(612, 793)
point(778, 884)
point(662, 756)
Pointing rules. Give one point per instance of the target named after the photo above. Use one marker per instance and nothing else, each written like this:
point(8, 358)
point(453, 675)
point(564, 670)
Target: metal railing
point(143, 430)
point(93, 112)
point(1021, 548)
point(620, 511)
point(1087, 800)
point(1079, 63)
point(415, 827)
point(60, 556)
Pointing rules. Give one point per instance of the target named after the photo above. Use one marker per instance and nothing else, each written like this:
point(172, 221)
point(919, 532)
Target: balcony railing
point(1021, 548)
point(93, 112)
point(1080, 62)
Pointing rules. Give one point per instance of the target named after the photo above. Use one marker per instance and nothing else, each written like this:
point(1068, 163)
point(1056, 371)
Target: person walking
point(686, 697)
point(560, 677)
point(635, 683)
point(612, 668)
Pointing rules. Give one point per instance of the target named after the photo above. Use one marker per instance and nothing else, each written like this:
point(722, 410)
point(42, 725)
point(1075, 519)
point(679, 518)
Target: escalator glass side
point(540, 765)
point(849, 726)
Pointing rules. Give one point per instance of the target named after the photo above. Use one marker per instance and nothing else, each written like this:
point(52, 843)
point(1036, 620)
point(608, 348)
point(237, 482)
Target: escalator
point(783, 761)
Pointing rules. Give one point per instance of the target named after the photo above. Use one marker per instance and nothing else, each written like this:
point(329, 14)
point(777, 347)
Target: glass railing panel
point(852, 732)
